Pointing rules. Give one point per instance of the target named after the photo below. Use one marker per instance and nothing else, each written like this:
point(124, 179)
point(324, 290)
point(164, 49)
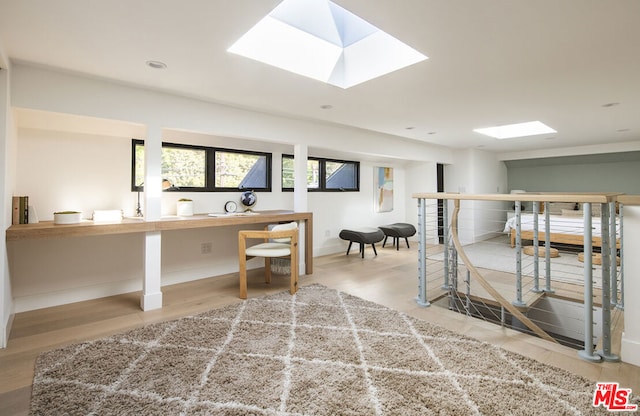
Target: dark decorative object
point(248, 199)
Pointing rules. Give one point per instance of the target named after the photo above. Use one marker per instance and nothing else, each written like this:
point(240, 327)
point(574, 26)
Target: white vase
point(185, 208)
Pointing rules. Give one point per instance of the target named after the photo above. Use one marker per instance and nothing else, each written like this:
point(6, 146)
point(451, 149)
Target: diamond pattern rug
point(319, 352)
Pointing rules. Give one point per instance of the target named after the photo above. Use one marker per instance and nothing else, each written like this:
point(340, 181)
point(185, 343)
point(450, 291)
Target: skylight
point(511, 131)
point(321, 40)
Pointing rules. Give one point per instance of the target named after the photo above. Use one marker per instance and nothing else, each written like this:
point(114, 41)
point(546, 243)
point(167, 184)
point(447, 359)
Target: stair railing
point(608, 245)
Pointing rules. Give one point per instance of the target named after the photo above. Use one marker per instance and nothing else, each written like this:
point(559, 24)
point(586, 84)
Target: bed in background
point(566, 225)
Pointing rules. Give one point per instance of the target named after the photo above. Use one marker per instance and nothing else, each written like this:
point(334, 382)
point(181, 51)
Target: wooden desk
point(48, 230)
point(263, 217)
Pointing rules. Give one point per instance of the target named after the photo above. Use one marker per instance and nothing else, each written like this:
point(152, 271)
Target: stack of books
point(20, 210)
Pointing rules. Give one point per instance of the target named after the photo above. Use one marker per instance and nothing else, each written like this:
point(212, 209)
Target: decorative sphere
point(248, 198)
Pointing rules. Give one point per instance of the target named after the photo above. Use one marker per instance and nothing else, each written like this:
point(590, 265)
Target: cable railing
point(546, 264)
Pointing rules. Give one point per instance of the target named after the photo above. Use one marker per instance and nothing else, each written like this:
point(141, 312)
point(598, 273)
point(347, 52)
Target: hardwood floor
point(389, 279)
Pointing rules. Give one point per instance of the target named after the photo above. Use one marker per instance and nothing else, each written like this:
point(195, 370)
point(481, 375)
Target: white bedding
point(564, 224)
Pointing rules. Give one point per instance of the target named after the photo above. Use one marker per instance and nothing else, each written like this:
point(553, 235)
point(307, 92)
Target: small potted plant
point(67, 217)
point(185, 207)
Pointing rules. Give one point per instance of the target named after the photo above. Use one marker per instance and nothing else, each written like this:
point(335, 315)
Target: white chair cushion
point(269, 250)
point(283, 227)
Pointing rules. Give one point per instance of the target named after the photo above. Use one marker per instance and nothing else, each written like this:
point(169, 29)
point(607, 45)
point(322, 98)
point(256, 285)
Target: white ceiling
point(490, 62)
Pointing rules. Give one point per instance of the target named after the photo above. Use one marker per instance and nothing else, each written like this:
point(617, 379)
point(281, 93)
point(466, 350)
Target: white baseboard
point(72, 295)
point(630, 350)
point(63, 297)
point(330, 249)
point(486, 236)
point(5, 331)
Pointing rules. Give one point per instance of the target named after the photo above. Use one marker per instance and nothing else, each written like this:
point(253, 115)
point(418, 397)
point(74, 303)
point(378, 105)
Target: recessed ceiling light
point(623, 130)
point(321, 40)
point(156, 65)
point(610, 104)
point(431, 132)
point(409, 128)
point(510, 131)
point(326, 107)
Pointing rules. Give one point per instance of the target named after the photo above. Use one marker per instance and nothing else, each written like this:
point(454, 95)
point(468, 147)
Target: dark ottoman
point(397, 231)
point(362, 236)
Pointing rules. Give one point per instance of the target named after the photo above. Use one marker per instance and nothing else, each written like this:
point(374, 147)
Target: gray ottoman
point(397, 231)
point(362, 236)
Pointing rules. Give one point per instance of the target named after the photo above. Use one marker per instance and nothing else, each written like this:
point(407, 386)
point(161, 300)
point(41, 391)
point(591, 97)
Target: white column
point(300, 155)
point(7, 138)
point(153, 174)
point(151, 293)
point(300, 203)
point(630, 348)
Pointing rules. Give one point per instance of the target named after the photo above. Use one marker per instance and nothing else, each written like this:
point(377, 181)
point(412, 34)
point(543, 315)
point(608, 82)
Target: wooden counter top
point(47, 229)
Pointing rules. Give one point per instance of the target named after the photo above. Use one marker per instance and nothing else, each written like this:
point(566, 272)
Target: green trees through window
point(209, 169)
point(198, 168)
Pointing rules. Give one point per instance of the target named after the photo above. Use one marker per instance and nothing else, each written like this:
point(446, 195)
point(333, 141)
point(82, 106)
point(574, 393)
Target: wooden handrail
point(629, 199)
point(595, 198)
point(486, 285)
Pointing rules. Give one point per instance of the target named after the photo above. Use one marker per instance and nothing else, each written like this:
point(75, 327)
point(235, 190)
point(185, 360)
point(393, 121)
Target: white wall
point(71, 157)
point(62, 171)
point(336, 211)
point(422, 177)
point(489, 177)
point(630, 345)
point(85, 172)
point(42, 89)
point(7, 138)
point(477, 172)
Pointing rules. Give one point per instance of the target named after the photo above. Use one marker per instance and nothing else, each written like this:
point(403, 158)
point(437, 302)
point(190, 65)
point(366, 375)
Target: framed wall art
point(383, 189)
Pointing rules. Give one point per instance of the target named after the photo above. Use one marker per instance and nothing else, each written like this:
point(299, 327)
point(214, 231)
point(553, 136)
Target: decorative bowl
point(67, 217)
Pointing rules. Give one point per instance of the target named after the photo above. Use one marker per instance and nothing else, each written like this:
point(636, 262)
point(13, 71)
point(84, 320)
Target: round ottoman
point(530, 250)
point(596, 258)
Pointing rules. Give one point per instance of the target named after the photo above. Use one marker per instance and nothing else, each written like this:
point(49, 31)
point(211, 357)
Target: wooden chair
point(281, 241)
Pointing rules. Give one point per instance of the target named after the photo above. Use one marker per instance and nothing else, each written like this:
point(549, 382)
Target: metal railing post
point(422, 257)
point(613, 243)
point(621, 220)
point(588, 353)
point(605, 253)
point(518, 301)
point(536, 254)
point(445, 233)
point(468, 293)
point(547, 249)
point(453, 293)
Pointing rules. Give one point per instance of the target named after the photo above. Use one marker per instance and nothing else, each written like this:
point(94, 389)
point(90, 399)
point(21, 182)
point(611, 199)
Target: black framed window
point(206, 169)
point(324, 175)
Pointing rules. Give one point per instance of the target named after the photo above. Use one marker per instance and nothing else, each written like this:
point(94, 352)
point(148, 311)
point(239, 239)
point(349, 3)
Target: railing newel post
point(536, 253)
point(587, 353)
point(422, 259)
point(445, 235)
point(547, 249)
point(621, 220)
point(518, 301)
point(613, 247)
point(605, 254)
